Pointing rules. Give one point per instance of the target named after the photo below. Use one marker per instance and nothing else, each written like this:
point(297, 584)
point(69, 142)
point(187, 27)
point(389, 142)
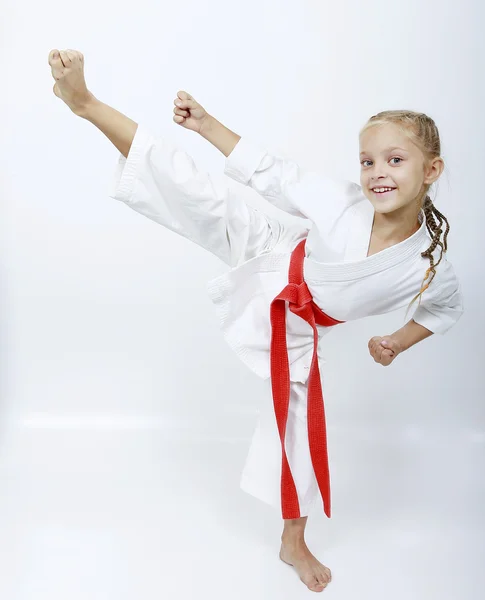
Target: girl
point(370, 249)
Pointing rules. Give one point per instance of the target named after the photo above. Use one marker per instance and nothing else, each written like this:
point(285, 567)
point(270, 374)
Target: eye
point(362, 162)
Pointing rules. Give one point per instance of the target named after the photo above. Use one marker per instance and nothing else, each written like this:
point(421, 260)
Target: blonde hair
point(422, 131)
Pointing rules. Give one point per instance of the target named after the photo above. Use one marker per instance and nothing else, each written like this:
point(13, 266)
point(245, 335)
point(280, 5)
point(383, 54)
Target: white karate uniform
point(163, 183)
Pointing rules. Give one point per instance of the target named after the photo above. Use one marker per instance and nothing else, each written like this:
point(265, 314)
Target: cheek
point(404, 178)
point(409, 177)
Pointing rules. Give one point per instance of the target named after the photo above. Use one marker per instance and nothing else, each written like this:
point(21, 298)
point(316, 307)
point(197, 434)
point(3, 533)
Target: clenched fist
point(189, 113)
point(67, 67)
point(384, 349)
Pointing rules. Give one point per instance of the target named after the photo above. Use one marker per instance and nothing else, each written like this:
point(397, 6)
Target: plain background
point(106, 329)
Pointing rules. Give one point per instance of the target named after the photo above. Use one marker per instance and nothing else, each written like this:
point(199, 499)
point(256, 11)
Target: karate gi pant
point(162, 183)
point(261, 475)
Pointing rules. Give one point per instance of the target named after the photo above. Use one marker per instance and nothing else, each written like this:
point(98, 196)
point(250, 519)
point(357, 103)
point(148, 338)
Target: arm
point(119, 129)
point(410, 334)
point(385, 349)
point(282, 182)
point(437, 314)
point(219, 136)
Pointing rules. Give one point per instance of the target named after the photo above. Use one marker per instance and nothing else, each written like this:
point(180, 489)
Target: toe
point(323, 578)
point(314, 585)
point(54, 57)
point(318, 587)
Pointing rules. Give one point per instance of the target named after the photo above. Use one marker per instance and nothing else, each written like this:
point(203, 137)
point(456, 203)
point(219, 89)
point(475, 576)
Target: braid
point(435, 230)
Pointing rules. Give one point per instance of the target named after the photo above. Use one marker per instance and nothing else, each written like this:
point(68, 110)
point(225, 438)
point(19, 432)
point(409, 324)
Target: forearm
point(411, 334)
point(219, 136)
point(118, 128)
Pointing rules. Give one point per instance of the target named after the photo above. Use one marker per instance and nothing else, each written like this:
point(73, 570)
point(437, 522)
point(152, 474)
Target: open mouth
point(387, 192)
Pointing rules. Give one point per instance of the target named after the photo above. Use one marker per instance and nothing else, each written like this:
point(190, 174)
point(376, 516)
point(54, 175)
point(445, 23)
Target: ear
point(433, 171)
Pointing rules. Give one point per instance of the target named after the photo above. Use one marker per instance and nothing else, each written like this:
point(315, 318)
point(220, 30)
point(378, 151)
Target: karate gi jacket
point(162, 182)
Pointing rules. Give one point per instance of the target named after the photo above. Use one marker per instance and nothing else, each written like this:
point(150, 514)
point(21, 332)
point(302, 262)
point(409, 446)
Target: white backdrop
point(105, 320)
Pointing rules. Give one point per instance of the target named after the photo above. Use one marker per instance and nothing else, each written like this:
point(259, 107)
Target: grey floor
point(99, 514)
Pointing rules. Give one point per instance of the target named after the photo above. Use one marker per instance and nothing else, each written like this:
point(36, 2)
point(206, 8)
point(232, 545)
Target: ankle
point(293, 539)
point(293, 534)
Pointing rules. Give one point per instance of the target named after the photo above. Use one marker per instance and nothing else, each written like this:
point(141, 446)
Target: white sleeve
point(443, 307)
point(287, 186)
point(162, 182)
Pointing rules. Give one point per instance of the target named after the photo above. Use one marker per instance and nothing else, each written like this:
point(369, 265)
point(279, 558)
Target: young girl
point(370, 249)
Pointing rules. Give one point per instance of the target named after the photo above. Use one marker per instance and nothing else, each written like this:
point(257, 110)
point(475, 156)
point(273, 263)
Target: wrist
point(219, 135)
point(207, 125)
point(399, 338)
point(85, 108)
point(410, 334)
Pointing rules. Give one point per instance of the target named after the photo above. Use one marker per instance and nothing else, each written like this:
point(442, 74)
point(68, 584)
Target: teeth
point(379, 190)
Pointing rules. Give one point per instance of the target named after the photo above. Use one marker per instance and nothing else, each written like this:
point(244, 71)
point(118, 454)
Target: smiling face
point(390, 159)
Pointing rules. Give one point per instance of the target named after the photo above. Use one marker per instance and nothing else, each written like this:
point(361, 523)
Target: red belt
point(301, 304)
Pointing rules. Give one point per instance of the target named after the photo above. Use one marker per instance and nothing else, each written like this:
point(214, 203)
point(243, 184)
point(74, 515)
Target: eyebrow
point(385, 150)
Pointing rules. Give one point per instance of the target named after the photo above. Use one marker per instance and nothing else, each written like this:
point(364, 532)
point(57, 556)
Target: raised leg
point(162, 182)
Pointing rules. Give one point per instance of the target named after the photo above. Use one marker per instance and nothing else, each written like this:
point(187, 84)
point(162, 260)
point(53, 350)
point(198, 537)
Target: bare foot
point(312, 573)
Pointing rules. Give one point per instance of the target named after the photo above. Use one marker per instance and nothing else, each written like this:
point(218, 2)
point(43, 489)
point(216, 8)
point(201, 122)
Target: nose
point(377, 177)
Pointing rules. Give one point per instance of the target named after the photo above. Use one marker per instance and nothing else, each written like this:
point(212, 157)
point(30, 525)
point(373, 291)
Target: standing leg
point(262, 479)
